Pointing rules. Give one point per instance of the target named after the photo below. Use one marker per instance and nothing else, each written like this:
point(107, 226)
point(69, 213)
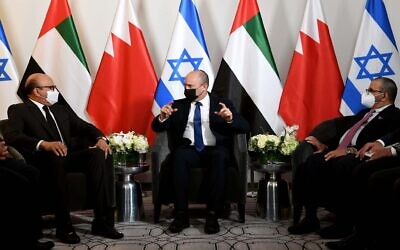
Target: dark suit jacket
point(222, 130)
point(385, 122)
point(27, 126)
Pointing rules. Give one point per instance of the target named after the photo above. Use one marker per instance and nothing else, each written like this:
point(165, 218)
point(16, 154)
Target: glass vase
point(119, 159)
point(132, 159)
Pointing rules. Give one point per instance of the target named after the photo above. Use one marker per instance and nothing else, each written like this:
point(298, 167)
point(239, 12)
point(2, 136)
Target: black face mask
point(190, 94)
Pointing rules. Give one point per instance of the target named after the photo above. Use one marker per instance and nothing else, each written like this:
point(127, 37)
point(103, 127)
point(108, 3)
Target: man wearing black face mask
point(44, 131)
point(201, 128)
point(333, 161)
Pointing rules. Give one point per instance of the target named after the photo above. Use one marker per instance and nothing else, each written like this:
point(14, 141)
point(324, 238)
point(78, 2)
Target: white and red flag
point(122, 95)
point(314, 86)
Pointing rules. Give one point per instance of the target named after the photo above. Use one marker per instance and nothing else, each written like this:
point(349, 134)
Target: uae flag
point(248, 74)
point(314, 86)
point(122, 95)
point(58, 53)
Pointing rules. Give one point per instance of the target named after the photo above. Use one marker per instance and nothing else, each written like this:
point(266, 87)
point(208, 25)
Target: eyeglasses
point(51, 87)
point(373, 91)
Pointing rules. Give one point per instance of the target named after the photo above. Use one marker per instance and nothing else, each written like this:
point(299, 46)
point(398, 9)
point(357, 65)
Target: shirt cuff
point(381, 142)
point(162, 120)
point(38, 145)
point(394, 152)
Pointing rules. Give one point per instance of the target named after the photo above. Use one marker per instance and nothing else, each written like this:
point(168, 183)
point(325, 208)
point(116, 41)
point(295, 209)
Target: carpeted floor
point(256, 233)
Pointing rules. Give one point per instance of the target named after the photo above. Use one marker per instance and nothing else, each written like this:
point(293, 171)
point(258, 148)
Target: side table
point(272, 188)
point(129, 193)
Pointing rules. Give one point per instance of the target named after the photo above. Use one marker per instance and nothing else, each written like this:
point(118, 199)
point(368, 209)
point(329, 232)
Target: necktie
point(353, 130)
point(198, 135)
point(52, 124)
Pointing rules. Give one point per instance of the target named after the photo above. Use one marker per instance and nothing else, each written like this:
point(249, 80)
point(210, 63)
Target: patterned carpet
point(256, 233)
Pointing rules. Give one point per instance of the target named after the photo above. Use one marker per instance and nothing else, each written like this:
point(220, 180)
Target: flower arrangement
point(126, 147)
point(268, 147)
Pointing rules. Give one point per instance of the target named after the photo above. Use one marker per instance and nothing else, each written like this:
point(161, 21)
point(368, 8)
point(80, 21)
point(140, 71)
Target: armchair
point(235, 181)
point(324, 132)
point(76, 183)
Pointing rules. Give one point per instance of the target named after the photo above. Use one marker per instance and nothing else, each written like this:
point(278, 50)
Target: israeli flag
point(9, 80)
point(187, 52)
point(375, 55)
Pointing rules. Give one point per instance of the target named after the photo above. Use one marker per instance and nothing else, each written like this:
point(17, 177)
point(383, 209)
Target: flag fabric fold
point(375, 55)
point(122, 95)
point(248, 74)
point(8, 76)
point(187, 51)
point(59, 54)
point(314, 86)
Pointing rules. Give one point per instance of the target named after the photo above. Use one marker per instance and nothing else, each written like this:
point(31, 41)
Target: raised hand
point(224, 112)
point(167, 110)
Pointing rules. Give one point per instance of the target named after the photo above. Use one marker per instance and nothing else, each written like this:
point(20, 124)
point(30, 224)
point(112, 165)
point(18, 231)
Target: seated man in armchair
point(322, 175)
point(201, 128)
point(42, 130)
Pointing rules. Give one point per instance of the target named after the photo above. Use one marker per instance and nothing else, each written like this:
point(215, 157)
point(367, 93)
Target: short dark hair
point(388, 86)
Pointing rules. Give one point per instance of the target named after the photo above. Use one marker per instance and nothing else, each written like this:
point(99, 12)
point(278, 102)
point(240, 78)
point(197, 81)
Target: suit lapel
point(38, 115)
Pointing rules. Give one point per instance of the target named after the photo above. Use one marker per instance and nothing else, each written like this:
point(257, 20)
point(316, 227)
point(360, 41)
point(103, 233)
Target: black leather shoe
point(67, 236)
point(101, 228)
point(336, 231)
point(180, 222)
point(44, 245)
point(211, 226)
point(352, 242)
point(305, 226)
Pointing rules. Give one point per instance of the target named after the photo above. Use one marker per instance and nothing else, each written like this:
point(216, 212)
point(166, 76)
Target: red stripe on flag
point(122, 95)
point(58, 11)
point(247, 9)
point(314, 86)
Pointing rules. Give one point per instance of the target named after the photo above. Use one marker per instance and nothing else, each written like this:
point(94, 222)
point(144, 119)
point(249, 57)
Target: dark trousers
point(322, 183)
point(214, 160)
point(378, 215)
point(19, 212)
point(99, 174)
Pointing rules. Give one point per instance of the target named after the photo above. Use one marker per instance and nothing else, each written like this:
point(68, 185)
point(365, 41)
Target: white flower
point(284, 144)
point(129, 142)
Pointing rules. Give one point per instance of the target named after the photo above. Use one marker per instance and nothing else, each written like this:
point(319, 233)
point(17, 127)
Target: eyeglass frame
point(372, 91)
point(51, 87)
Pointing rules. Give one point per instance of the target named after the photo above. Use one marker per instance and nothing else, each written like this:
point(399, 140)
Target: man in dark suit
point(21, 225)
point(195, 139)
point(374, 198)
point(44, 132)
point(325, 174)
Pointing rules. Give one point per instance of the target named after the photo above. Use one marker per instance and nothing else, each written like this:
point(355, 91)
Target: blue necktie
point(198, 136)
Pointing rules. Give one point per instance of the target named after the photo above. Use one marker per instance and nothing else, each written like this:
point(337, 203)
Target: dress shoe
point(336, 231)
point(180, 222)
point(211, 226)
point(101, 228)
point(352, 242)
point(67, 235)
point(44, 245)
point(305, 226)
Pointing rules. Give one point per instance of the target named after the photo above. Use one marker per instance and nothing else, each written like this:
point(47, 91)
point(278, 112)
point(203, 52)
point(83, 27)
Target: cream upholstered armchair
point(235, 181)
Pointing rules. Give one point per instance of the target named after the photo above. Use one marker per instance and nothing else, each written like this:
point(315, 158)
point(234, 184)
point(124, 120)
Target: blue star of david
point(3, 74)
point(373, 54)
point(176, 63)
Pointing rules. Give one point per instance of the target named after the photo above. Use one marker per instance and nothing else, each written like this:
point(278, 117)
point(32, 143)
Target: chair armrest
point(242, 159)
point(159, 152)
